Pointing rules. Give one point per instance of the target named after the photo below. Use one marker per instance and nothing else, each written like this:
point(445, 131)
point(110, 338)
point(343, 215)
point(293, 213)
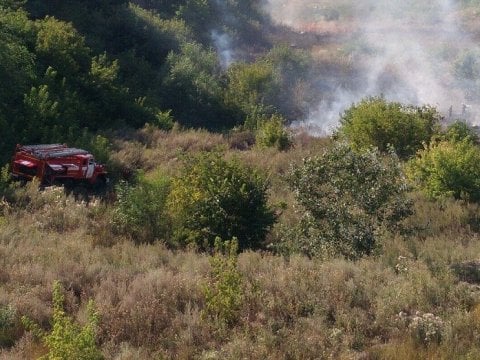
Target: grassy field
point(406, 301)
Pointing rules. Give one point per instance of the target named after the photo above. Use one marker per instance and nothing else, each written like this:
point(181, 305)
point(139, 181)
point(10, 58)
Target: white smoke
point(404, 50)
point(222, 40)
point(224, 48)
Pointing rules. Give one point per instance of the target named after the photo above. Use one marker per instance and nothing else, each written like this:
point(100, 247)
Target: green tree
point(376, 122)
point(67, 340)
point(12, 4)
point(466, 69)
point(198, 14)
point(41, 112)
point(250, 85)
point(447, 169)
point(16, 60)
point(348, 197)
point(152, 37)
point(17, 74)
point(193, 90)
point(216, 198)
point(292, 91)
point(60, 46)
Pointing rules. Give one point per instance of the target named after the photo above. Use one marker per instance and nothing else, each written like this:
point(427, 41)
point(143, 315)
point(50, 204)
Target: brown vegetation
point(150, 299)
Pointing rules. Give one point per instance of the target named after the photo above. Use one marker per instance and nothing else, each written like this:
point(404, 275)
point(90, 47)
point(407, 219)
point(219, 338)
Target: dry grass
point(150, 298)
point(152, 148)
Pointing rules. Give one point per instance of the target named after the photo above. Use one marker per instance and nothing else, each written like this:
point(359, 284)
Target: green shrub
point(164, 120)
point(224, 293)
point(272, 133)
point(249, 85)
point(348, 198)
point(460, 130)
point(4, 180)
point(67, 340)
point(8, 322)
point(447, 169)
point(212, 197)
point(382, 124)
point(140, 211)
point(98, 145)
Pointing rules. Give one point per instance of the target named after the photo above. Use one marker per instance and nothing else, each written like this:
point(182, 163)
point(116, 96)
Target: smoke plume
point(224, 48)
point(405, 50)
point(221, 39)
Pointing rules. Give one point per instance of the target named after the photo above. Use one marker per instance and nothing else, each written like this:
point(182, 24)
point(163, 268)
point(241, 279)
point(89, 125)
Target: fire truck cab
point(56, 163)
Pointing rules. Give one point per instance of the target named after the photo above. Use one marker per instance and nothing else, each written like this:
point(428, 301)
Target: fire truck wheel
point(100, 185)
point(80, 193)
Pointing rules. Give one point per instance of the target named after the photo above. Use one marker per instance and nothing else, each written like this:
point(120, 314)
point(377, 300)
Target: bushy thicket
point(460, 130)
point(383, 124)
point(273, 133)
point(409, 296)
point(448, 169)
point(213, 198)
point(140, 210)
point(74, 66)
point(347, 198)
point(224, 293)
point(210, 197)
point(56, 86)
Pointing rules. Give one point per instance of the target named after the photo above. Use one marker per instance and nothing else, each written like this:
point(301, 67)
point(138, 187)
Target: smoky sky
point(404, 50)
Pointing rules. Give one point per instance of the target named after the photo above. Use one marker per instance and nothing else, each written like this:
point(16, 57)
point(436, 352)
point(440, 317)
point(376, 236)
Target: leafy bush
point(223, 296)
point(272, 133)
point(379, 123)
point(4, 180)
point(446, 169)
point(66, 339)
point(140, 210)
point(164, 120)
point(8, 322)
point(212, 197)
point(460, 130)
point(249, 85)
point(348, 197)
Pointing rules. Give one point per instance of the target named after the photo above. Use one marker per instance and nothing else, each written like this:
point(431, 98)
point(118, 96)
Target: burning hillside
point(417, 53)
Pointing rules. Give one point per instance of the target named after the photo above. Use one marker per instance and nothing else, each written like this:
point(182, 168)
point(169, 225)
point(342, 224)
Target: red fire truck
point(57, 164)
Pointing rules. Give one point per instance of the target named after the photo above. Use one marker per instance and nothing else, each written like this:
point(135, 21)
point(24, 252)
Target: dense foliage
point(272, 133)
point(448, 168)
point(459, 131)
point(213, 198)
point(383, 124)
point(348, 197)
